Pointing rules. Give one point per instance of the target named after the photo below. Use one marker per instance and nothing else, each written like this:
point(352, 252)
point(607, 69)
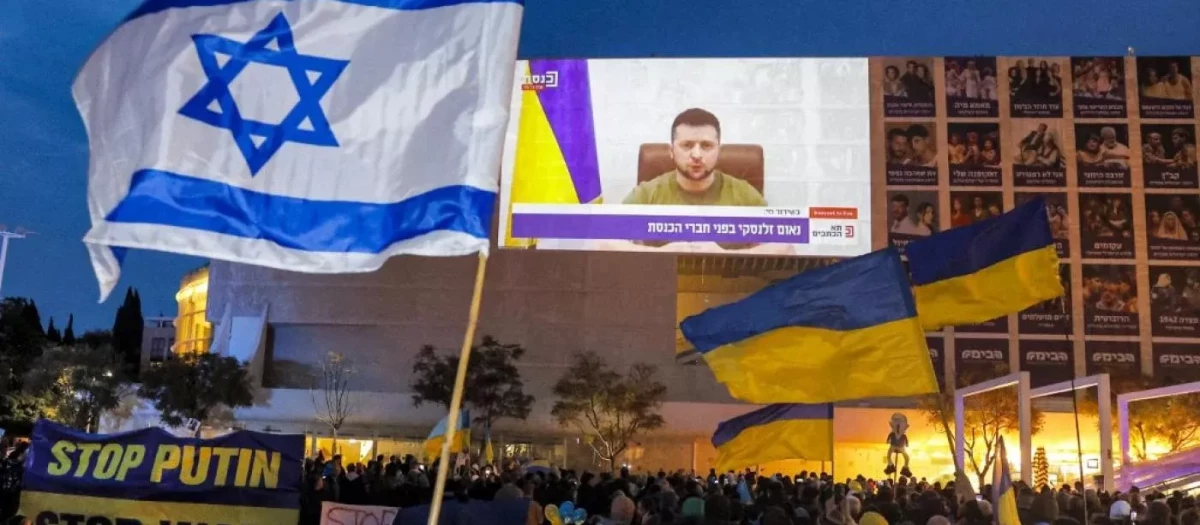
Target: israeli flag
point(307, 135)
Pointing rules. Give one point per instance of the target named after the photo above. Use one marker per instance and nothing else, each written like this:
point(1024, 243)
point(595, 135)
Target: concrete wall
point(621, 306)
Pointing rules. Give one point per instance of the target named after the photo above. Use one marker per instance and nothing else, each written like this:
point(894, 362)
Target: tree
point(192, 386)
point(1174, 421)
point(988, 415)
point(31, 316)
point(21, 343)
point(68, 337)
point(96, 338)
point(338, 400)
point(76, 383)
point(493, 389)
point(1041, 468)
point(127, 332)
point(52, 334)
point(606, 408)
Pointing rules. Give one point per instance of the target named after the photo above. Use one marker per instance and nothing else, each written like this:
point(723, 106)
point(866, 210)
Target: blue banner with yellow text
point(152, 477)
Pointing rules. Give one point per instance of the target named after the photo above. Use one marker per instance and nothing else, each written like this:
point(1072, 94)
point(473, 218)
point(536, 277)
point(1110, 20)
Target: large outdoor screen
point(756, 156)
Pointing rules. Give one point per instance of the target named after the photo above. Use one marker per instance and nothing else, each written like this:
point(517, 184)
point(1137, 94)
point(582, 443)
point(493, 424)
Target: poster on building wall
point(1110, 298)
point(1169, 156)
point(1051, 317)
point(1174, 301)
point(974, 152)
point(912, 153)
point(1039, 158)
point(978, 360)
point(971, 87)
point(1047, 361)
point(716, 156)
point(1165, 87)
point(1119, 359)
point(1058, 214)
point(1176, 362)
point(1036, 87)
point(908, 87)
point(1102, 156)
point(911, 215)
point(1173, 227)
point(1099, 87)
point(1106, 226)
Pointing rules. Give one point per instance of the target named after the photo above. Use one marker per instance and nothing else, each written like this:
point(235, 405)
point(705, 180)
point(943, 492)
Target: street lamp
point(5, 236)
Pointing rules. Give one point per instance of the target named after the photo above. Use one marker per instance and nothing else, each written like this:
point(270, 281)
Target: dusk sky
point(43, 172)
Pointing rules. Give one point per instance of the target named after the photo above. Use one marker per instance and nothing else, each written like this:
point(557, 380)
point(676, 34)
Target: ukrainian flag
point(977, 273)
point(556, 160)
point(1004, 495)
point(846, 331)
point(462, 437)
point(775, 433)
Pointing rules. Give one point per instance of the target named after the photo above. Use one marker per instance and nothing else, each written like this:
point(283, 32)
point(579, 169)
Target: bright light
point(107, 373)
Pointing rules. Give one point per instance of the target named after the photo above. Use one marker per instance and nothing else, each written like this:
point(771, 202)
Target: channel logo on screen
point(835, 231)
point(545, 80)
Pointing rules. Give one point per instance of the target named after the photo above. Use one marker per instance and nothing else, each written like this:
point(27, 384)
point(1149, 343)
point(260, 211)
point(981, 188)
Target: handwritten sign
point(341, 514)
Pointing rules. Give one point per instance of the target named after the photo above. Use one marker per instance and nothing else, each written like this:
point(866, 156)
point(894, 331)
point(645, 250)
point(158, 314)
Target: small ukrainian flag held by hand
point(1004, 494)
point(977, 273)
point(462, 437)
point(847, 331)
point(317, 136)
point(775, 433)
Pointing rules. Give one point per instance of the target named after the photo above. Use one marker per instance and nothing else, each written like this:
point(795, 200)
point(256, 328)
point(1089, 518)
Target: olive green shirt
point(726, 190)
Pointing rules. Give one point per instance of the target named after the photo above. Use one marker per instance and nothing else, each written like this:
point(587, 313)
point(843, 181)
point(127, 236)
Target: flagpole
point(439, 489)
point(831, 445)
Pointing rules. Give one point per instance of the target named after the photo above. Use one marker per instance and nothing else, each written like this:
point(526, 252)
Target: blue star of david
point(311, 89)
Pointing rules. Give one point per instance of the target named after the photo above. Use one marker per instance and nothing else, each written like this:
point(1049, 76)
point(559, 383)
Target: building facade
point(624, 307)
point(158, 337)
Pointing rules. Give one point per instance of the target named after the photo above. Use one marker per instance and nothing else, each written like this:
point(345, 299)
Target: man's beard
point(687, 173)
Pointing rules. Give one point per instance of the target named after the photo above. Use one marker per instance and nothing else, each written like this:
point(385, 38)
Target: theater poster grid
point(1110, 142)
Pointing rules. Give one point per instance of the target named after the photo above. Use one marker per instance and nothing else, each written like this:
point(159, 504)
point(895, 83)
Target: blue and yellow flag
point(977, 273)
point(846, 331)
point(775, 433)
point(462, 437)
point(556, 160)
point(149, 476)
point(1004, 495)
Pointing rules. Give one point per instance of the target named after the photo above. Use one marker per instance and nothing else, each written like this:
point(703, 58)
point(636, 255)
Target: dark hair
point(917, 130)
point(696, 117)
point(897, 132)
point(901, 198)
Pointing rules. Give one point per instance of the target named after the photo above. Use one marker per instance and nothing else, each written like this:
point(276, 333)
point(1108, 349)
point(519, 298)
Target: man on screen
point(695, 149)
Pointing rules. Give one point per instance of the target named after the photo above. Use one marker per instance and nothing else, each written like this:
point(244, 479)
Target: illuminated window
point(193, 332)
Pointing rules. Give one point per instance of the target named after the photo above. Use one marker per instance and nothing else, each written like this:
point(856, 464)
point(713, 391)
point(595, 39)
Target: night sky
point(43, 149)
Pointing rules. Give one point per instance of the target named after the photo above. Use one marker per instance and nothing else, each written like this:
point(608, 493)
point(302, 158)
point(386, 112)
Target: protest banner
point(151, 477)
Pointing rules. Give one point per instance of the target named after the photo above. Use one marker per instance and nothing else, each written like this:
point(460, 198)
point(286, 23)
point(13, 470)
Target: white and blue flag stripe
point(307, 135)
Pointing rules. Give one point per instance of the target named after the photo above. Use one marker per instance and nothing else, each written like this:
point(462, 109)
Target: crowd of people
point(661, 498)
